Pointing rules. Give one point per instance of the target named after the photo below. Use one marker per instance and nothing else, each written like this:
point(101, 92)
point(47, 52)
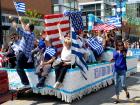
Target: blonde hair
point(67, 40)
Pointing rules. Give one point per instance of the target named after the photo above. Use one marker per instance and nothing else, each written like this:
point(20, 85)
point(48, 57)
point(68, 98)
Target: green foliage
point(33, 14)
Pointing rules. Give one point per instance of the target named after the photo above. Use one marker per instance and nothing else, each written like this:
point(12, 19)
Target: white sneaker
point(56, 85)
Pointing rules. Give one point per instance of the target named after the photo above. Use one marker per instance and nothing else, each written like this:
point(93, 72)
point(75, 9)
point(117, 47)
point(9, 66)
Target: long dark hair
point(118, 42)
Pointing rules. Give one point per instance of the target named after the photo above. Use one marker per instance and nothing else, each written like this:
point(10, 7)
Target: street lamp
point(119, 12)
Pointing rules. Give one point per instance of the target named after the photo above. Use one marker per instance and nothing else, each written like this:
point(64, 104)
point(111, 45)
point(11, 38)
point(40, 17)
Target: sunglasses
point(120, 45)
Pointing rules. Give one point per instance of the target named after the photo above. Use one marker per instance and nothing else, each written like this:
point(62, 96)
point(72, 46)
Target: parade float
point(99, 75)
point(75, 86)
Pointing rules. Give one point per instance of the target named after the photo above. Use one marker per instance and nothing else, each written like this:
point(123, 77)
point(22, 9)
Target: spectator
point(13, 50)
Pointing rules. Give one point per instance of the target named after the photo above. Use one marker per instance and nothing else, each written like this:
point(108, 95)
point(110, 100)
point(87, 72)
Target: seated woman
point(48, 58)
point(68, 60)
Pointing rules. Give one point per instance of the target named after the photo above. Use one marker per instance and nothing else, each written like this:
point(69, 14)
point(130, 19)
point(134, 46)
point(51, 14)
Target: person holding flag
point(27, 45)
point(120, 68)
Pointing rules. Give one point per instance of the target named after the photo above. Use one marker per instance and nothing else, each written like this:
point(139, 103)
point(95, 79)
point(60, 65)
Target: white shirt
point(16, 47)
point(66, 55)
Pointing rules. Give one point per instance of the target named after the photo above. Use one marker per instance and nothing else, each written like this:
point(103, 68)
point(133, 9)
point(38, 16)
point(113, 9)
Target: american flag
point(77, 26)
point(105, 27)
point(51, 29)
point(20, 6)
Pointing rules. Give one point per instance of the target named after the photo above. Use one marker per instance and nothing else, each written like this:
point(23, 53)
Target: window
point(98, 6)
point(98, 12)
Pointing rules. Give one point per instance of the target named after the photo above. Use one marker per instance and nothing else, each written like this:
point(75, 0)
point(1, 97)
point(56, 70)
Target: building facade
point(99, 8)
point(59, 6)
point(8, 9)
point(133, 15)
point(42, 6)
point(133, 9)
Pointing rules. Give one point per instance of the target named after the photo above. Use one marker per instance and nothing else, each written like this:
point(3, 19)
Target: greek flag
point(50, 51)
point(95, 45)
point(114, 20)
point(20, 7)
point(77, 26)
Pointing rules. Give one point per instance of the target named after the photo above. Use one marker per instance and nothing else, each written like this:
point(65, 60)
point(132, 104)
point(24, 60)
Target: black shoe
point(128, 95)
point(40, 85)
point(41, 82)
point(116, 102)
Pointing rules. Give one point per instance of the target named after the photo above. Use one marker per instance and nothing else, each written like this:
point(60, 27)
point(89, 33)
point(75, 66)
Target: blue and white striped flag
point(77, 26)
point(20, 7)
point(95, 45)
point(50, 51)
point(114, 20)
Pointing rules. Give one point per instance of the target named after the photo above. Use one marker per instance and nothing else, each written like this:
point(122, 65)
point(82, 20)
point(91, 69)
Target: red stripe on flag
point(55, 23)
point(59, 53)
point(53, 16)
point(55, 39)
point(56, 31)
point(59, 45)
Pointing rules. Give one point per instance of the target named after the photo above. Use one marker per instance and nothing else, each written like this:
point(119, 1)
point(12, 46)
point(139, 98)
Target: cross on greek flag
point(20, 6)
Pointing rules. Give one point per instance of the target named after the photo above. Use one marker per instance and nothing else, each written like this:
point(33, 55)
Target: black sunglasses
point(120, 45)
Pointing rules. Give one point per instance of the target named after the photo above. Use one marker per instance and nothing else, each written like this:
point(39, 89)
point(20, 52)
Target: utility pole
point(1, 34)
point(121, 16)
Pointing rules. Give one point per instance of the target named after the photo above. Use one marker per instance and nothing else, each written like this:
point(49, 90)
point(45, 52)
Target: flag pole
point(16, 9)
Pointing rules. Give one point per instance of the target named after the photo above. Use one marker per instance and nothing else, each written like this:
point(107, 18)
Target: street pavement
point(102, 97)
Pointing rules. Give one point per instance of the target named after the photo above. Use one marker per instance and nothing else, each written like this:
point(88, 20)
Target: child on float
point(48, 58)
point(39, 49)
point(67, 60)
point(120, 68)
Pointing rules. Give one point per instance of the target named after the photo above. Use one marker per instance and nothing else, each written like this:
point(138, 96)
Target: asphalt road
point(103, 97)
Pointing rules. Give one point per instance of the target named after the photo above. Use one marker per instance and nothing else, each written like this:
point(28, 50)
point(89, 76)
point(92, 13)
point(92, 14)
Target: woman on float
point(67, 60)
